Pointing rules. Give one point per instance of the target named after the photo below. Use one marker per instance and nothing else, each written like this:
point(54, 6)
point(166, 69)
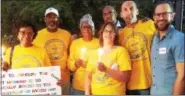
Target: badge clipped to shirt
point(162, 50)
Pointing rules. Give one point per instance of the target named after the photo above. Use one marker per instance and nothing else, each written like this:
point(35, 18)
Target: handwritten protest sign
point(31, 81)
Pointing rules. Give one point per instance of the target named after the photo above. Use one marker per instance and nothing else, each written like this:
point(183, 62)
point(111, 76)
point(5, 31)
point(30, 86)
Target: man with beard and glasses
point(136, 37)
point(167, 54)
point(56, 42)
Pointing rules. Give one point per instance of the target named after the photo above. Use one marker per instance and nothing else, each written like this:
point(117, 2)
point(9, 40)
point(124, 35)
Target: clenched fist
point(5, 66)
point(101, 67)
point(80, 63)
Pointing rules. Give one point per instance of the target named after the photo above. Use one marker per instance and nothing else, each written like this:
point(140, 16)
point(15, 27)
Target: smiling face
point(86, 29)
point(25, 36)
point(52, 21)
point(163, 17)
point(108, 34)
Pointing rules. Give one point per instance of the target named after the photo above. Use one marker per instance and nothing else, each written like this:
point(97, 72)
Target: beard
point(52, 24)
point(52, 27)
point(162, 27)
point(130, 20)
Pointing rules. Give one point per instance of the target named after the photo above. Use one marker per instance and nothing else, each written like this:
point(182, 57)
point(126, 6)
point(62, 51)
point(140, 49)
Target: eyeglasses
point(109, 31)
point(164, 14)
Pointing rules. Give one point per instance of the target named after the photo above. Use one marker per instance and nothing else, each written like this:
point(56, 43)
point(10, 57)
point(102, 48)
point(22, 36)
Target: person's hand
point(60, 82)
point(74, 36)
point(101, 67)
point(5, 66)
point(80, 63)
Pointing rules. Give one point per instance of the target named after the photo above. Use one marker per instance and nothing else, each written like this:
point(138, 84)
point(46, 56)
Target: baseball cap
point(51, 10)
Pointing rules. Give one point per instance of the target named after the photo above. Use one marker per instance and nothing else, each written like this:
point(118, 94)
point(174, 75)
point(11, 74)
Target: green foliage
point(13, 11)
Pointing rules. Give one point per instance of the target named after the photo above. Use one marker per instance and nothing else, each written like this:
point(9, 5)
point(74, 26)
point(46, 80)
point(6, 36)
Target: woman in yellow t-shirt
point(25, 54)
point(78, 52)
point(108, 68)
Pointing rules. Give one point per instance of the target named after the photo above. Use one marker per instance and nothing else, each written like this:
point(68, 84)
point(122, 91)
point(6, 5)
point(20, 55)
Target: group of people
point(144, 57)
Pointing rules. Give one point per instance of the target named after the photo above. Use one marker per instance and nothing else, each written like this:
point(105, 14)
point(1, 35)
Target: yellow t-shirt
point(76, 52)
point(30, 57)
point(138, 43)
point(101, 83)
point(56, 45)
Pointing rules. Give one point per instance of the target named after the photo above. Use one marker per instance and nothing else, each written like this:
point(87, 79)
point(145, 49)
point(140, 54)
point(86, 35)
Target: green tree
point(13, 11)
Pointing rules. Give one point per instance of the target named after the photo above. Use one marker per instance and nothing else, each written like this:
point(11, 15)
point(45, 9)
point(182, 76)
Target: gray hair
point(87, 18)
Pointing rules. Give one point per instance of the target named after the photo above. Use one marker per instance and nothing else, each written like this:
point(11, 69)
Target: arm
point(123, 61)
point(88, 83)
point(6, 62)
point(71, 59)
point(178, 88)
point(122, 76)
point(178, 52)
point(69, 43)
point(73, 62)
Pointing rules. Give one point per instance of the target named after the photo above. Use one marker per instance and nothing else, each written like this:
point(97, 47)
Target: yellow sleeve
point(47, 61)
point(36, 40)
point(124, 60)
point(7, 56)
point(89, 66)
point(90, 62)
point(69, 39)
point(71, 59)
point(152, 27)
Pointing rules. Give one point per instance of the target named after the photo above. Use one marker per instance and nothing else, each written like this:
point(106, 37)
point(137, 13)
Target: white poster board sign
point(31, 81)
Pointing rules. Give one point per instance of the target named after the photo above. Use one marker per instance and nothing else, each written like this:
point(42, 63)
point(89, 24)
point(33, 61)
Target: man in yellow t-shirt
point(101, 82)
point(25, 54)
point(79, 51)
point(136, 36)
point(56, 42)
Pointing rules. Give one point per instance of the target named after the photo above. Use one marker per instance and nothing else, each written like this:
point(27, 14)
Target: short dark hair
point(101, 33)
point(164, 2)
point(135, 4)
point(27, 24)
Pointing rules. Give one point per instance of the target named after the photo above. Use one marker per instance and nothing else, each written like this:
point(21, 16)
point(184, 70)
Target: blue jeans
point(76, 92)
point(138, 92)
